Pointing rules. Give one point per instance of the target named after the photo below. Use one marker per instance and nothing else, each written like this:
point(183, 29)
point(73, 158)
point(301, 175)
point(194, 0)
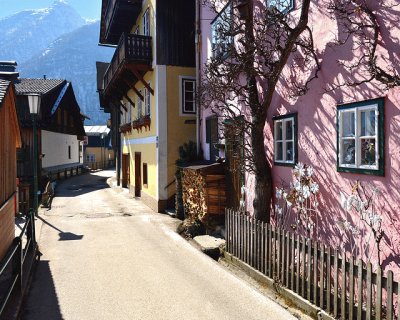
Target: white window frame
point(357, 111)
point(182, 111)
point(284, 140)
point(139, 105)
point(146, 22)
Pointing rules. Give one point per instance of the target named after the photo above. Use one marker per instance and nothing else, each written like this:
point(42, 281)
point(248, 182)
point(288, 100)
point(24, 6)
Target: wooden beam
point(135, 90)
point(118, 103)
point(140, 78)
point(129, 99)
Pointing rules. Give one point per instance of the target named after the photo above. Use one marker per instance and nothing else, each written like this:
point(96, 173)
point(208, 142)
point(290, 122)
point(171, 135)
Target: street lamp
point(34, 109)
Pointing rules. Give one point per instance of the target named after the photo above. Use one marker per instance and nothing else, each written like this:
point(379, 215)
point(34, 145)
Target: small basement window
point(285, 139)
point(360, 136)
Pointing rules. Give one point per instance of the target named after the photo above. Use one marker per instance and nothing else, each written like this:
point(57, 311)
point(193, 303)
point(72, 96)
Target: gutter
point(198, 57)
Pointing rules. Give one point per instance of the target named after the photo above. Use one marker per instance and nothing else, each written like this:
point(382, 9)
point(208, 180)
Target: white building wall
point(55, 149)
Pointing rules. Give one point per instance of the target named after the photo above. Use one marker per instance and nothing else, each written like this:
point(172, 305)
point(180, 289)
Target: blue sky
point(86, 8)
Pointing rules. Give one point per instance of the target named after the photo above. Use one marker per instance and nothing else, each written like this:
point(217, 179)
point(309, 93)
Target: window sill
point(284, 164)
point(373, 172)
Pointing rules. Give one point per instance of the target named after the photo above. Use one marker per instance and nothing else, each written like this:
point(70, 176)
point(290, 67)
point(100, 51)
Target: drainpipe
point(118, 164)
point(198, 57)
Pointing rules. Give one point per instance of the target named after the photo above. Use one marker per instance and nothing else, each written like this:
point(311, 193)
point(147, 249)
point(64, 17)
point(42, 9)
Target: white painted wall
point(55, 148)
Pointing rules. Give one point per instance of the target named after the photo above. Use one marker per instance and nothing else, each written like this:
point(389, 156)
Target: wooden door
point(138, 174)
point(125, 170)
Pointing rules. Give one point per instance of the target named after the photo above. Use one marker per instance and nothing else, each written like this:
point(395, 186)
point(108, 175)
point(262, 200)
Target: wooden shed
point(10, 140)
point(204, 190)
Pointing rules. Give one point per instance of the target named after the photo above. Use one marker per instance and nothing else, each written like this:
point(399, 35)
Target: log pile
point(204, 191)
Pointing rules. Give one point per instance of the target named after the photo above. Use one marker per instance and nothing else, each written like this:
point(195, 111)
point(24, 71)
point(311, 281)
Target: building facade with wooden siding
point(60, 131)
point(149, 89)
point(10, 140)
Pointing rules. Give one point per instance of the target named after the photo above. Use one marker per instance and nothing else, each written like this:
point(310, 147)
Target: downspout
point(198, 57)
point(119, 161)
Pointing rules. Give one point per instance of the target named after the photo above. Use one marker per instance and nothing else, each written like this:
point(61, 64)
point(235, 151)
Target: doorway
point(125, 170)
point(138, 175)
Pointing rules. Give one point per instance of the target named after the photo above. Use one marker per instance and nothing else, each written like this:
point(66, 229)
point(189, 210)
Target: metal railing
point(131, 48)
point(13, 267)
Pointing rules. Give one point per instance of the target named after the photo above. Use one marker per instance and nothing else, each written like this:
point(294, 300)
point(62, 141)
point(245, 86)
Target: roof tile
point(4, 84)
point(40, 86)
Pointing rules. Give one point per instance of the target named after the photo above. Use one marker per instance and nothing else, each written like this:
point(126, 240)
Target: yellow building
point(149, 89)
point(98, 153)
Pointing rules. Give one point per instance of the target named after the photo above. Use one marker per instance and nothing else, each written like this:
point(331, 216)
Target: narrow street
point(107, 256)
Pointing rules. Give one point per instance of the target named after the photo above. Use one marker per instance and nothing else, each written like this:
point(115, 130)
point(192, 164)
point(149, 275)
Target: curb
point(290, 297)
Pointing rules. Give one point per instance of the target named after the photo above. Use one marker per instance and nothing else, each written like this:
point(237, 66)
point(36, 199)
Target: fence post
point(378, 302)
point(269, 251)
point(359, 289)
point(17, 265)
point(328, 280)
point(351, 287)
point(315, 269)
point(293, 264)
point(322, 278)
point(369, 290)
point(389, 306)
point(303, 267)
point(343, 291)
point(309, 242)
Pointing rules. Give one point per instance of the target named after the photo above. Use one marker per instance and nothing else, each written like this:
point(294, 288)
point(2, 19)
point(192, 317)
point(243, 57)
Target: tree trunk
point(263, 174)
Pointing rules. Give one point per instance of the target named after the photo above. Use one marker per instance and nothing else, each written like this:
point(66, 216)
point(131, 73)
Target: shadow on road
point(80, 185)
point(64, 236)
point(42, 302)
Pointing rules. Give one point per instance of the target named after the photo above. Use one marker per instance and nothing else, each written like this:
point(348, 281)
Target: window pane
point(289, 151)
point(368, 123)
point(279, 151)
point(368, 152)
point(189, 85)
point(289, 130)
point(348, 151)
point(278, 128)
point(189, 96)
point(189, 106)
point(348, 123)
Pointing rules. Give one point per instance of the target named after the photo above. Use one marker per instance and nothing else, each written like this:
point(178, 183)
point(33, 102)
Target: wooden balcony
point(132, 59)
point(118, 16)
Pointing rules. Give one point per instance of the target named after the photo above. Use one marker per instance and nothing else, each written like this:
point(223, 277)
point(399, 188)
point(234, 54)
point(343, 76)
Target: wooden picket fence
point(326, 277)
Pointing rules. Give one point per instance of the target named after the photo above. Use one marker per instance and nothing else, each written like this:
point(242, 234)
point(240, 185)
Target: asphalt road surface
point(107, 256)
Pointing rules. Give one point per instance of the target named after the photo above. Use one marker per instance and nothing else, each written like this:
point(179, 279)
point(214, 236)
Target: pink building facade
point(347, 134)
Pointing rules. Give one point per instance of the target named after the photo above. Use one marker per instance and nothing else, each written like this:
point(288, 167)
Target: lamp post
point(34, 109)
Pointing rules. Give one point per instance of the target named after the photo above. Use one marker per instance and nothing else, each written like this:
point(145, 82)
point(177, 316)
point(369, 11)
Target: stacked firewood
point(204, 191)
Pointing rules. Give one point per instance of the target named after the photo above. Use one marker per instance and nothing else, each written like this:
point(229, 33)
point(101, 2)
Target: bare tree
point(253, 45)
point(359, 22)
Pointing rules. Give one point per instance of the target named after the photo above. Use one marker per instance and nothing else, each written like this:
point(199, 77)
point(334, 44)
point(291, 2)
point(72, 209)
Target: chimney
point(8, 70)
point(44, 77)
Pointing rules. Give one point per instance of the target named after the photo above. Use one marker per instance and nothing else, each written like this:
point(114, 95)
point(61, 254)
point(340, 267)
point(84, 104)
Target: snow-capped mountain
point(30, 31)
point(73, 57)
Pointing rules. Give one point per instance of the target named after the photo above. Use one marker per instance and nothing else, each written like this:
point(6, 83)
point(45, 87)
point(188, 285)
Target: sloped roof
point(96, 130)
point(4, 84)
point(40, 86)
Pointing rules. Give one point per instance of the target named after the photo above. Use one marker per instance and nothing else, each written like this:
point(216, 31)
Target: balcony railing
point(132, 49)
